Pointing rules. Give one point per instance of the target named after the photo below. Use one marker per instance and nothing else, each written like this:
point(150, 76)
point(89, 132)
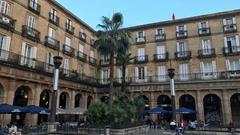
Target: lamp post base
point(52, 126)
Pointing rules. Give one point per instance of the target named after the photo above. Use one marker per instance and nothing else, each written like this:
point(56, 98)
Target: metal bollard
point(107, 130)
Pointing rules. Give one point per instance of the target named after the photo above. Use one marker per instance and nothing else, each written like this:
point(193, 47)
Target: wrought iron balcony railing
point(34, 7)
point(206, 53)
point(140, 40)
point(69, 28)
point(184, 55)
point(230, 28)
point(52, 43)
point(141, 59)
point(92, 61)
point(104, 62)
point(160, 37)
point(30, 33)
point(231, 51)
point(161, 57)
point(82, 36)
point(81, 56)
point(204, 31)
point(54, 19)
point(181, 34)
point(68, 50)
point(7, 22)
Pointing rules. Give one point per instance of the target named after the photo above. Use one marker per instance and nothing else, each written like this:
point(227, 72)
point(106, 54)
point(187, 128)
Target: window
point(105, 59)
point(33, 4)
point(105, 75)
point(160, 31)
point(81, 48)
point(229, 24)
point(92, 54)
point(181, 30)
point(91, 72)
point(91, 58)
point(120, 72)
point(4, 46)
point(69, 24)
point(141, 54)
point(208, 69)
point(66, 66)
point(140, 34)
point(4, 7)
point(161, 52)
point(141, 73)
point(203, 25)
point(161, 73)
point(53, 15)
point(51, 32)
point(231, 44)
point(181, 49)
point(80, 69)
point(183, 71)
point(31, 22)
point(49, 60)
point(68, 41)
point(28, 55)
point(206, 46)
point(233, 65)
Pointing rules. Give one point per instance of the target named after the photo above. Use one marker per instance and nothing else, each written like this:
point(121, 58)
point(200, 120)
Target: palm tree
point(112, 40)
point(124, 59)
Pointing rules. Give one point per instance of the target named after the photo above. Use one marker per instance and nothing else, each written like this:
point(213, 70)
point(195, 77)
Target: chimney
point(173, 17)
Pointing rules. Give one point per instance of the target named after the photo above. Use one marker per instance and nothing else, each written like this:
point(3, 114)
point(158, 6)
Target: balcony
point(30, 33)
point(161, 57)
point(7, 22)
point(92, 61)
point(141, 59)
point(105, 62)
point(184, 55)
point(231, 51)
point(140, 40)
point(92, 41)
point(204, 31)
point(34, 7)
point(230, 28)
point(69, 29)
point(82, 36)
point(160, 37)
point(81, 56)
point(206, 53)
point(54, 19)
point(233, 74)
point(181, 34)
point(52, 43)
point(68, 50)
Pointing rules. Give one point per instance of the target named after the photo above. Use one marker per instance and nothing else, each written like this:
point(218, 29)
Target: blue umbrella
point(36, 109)
point(157, 110)
point(184, 110)
point(6, 108)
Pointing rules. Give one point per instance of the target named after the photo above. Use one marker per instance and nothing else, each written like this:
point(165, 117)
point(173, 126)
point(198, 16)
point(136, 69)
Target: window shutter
point(68, 41)
point(185, 27)
point(237, 40)
point(119, 73)
point(208, 44)
point(228, 67)
point(136, 74)
point(101, 76)
point(137, 34)
point(6, 43)
point(214, 66)
point(225, 42)
point(178, 47)
point(203, 45)
point(199, 25)
point(23, 48)
point(33, 56)
point(207, 24)
point(177, 28)
point(202, 67)
point(145, 73)
point(234, 20)
point(156, 32)
point(81, 48)
point(224, 22)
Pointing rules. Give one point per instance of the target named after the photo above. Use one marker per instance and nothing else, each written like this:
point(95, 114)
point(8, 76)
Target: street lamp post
point(171, 74)
point(57, 60)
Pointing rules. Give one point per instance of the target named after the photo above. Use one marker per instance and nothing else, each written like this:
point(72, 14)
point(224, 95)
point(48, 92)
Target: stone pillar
point(199, 106)
point(36, 98)
point(177, 106)
point(226, 107)
point(153, 104)
point(72, 99)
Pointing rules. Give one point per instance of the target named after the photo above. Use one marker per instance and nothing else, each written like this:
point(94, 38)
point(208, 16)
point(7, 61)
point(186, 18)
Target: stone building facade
point(203, 50)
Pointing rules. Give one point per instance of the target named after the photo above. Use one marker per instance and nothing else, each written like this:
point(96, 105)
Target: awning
point(36, 109)
point(157, 110)
point(6, 108)
point(184, 110)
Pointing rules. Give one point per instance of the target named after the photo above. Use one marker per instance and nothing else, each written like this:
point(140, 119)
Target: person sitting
point(173, 125)
point(231, 126)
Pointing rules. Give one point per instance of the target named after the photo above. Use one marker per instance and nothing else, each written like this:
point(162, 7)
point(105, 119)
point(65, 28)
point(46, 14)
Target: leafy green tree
point(112, 40)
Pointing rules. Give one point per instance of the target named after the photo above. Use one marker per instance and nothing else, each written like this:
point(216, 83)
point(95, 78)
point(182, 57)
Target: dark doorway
point(63, 100)
point(188, 101)
point(44, 102)
point(77, 100)
point(164, 102)
point(235, 107)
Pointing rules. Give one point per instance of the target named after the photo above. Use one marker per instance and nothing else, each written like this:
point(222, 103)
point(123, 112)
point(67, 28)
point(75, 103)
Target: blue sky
point(138, 12)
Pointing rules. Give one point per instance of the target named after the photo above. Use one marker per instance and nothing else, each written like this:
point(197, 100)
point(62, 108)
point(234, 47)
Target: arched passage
point(63, 100)
point(44, 102)
point(146, 100)
point(105, 99)
point(21, 98)
point(188, 101)
point(89, 100)
point(164, 102)
point(212, 109)
point(1, 94)
point(235, 108)
point(78, 98)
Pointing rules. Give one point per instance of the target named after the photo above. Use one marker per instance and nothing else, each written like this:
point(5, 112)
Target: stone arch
point(77, 100)
point(64, 100)
point(44, 101)
point(235, 108)
point(212, 109)
point(89, 100)
point(164, 101)
point(188, 101)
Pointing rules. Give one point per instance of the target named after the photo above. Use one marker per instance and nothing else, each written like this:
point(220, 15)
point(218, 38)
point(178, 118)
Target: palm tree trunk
point(123, 77)
point(111, 80)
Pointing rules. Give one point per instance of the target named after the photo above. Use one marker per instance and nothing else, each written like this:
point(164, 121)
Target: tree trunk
point(111, 80)
point(123, 78)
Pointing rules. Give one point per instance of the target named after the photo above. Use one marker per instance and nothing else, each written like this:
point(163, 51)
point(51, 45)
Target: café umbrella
point(156, 110)
point(36, 109)
point(6, 108)
point(184, 110)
